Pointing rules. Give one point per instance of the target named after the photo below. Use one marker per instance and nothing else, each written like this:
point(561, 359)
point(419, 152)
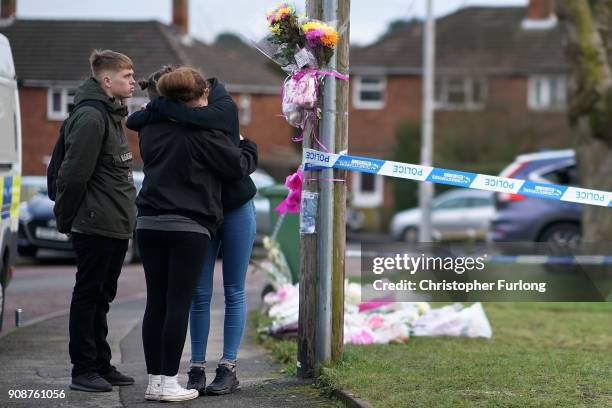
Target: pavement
point(35, 357)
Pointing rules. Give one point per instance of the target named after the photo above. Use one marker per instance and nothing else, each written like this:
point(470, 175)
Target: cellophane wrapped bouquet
point(301, 46)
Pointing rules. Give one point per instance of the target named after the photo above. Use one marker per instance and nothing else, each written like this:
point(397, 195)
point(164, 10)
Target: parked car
point(530, 219)
point(38, 228)
point(456, 215)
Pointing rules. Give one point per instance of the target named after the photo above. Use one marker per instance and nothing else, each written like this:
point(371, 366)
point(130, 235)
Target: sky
point(208, 18)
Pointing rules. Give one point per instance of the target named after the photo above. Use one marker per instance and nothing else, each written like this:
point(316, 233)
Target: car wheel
point(411, 235)
point(562, 235)
point(130, 255)
point(562, 238)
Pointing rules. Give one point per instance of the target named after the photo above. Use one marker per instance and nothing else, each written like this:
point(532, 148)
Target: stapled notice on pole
point(308, 215)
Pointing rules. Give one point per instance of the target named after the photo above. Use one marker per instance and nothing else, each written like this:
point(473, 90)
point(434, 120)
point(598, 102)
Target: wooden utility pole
point(321, 320)
point(308, 285)
point(341, 138)
point(307, 323)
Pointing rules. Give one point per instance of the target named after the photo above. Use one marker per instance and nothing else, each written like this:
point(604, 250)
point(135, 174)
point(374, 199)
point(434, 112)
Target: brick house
point(500, 90)
point(51, 59)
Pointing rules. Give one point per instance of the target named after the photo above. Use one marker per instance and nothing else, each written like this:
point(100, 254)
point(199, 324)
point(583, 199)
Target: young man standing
point(95, 205)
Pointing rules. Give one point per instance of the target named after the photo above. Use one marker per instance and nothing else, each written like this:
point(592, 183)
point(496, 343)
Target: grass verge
point(541, 354)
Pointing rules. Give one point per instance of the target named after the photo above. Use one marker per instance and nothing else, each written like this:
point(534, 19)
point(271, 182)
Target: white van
point(10, 167)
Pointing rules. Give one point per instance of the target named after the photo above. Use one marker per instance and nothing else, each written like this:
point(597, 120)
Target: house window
point(369, 92)
point(58, 102)
point(367, 190)
point(368, 183)
point(547, 93)
point(244, 109)
point(460, 93)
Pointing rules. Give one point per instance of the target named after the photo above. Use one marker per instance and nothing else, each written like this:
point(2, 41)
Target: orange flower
point(330, 38)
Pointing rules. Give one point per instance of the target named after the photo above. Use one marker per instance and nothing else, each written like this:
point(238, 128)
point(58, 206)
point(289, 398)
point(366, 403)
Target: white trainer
point(153, 392)
point(172, 391)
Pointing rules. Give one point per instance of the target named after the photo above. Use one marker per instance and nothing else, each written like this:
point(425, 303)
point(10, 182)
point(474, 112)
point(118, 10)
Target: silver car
point(457, 215)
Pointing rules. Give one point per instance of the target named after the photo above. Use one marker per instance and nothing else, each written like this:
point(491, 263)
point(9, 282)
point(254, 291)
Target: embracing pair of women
point(196, 199)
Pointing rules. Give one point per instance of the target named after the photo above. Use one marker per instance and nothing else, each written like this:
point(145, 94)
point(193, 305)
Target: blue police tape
point(317, 160)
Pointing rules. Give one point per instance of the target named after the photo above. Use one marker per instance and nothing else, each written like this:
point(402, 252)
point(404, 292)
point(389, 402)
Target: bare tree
point(588, 45)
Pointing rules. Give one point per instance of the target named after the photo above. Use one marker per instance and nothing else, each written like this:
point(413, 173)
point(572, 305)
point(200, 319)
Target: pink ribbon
point(300, 74)
point(291, 204)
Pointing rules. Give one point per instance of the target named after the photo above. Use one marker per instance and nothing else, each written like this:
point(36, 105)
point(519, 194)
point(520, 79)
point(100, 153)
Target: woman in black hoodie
point(179, 212)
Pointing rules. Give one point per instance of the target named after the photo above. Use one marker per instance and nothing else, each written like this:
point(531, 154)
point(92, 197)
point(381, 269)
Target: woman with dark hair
point(179, 212)
point(235, 238)
point(150, 84)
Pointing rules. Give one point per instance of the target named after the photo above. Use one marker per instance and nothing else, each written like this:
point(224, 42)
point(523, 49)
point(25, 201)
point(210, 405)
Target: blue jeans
point(235, 237)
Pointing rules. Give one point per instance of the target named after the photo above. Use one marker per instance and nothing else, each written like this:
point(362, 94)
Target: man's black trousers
point(99, 262)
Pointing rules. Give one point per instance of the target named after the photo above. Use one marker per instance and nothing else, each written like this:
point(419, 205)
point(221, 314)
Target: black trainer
point(114, 377)
point(197, 380)
point(225, 381)
point(90, 382)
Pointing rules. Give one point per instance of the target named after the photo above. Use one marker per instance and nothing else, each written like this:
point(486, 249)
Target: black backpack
point(59, 151)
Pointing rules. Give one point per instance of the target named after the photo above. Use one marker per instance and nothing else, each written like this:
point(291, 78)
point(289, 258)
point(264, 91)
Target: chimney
point(180, 16)
point(540, 15)
point(8, 9)
point(540, 9)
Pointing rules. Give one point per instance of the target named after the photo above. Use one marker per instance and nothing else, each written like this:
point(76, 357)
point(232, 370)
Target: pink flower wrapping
point(291, 204)
point(363, 336)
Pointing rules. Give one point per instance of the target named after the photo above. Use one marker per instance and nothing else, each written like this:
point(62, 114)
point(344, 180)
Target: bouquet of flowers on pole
point(302, 47)
point(284, 37)
point(321, 39)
